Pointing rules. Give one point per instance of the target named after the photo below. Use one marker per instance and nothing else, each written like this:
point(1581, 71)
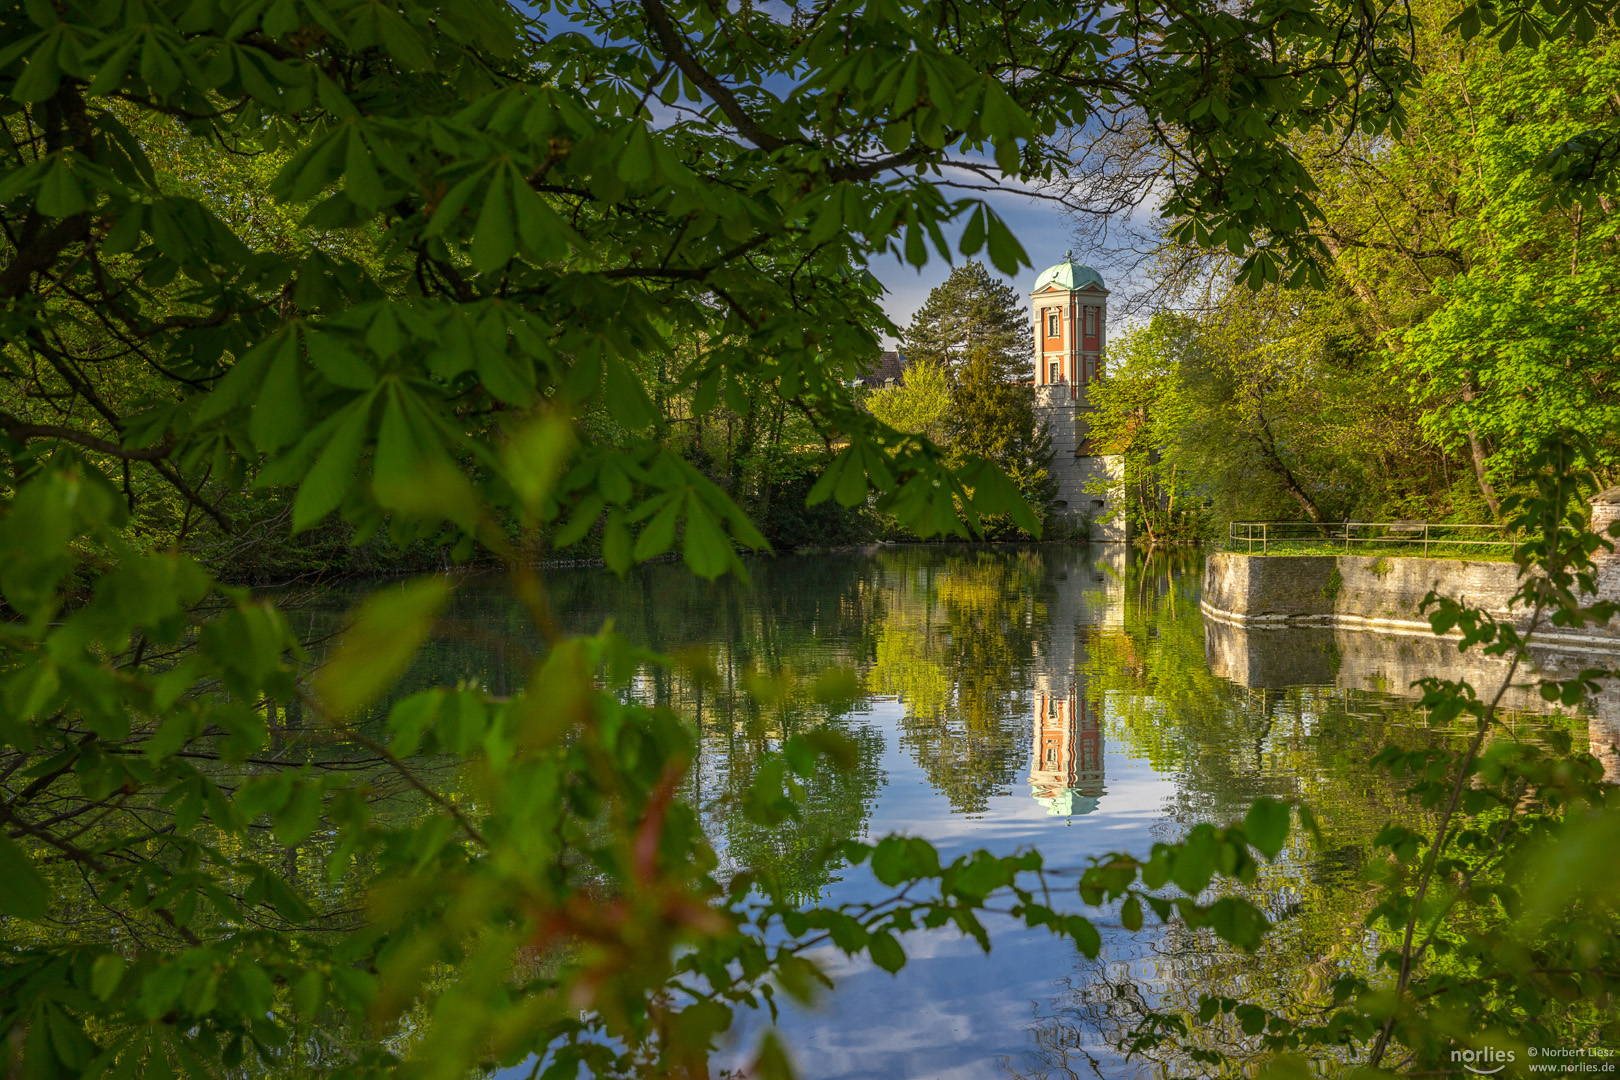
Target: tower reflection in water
point(1066, 756)
point(1066, 762)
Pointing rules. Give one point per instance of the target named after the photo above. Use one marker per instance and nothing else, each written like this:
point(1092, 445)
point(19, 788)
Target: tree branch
point(22, 431)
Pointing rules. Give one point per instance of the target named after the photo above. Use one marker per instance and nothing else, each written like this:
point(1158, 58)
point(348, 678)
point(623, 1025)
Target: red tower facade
point(1070, 306)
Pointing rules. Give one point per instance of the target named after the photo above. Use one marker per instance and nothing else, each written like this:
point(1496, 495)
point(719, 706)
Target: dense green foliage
point(1466, 314)
point(994, 418)
point(492, 281)
point(967, 387)
point(919, 403)
point(451, 272)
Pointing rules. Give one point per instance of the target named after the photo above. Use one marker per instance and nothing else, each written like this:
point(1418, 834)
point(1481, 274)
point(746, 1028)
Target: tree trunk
point(1291, 486)
point(1476, 450)
point(1279, 468)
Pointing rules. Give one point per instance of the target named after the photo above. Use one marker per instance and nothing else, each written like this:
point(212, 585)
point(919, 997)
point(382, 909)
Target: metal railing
point(1266, 536)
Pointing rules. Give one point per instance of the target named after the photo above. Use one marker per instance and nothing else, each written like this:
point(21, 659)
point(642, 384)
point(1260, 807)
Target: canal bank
point(1357, 621)
point(1383, 593)
point(1386, 592)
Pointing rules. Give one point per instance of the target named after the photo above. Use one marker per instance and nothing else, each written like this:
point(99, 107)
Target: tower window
point(1054, 374)
point(1054, 325)
point(1091, 322)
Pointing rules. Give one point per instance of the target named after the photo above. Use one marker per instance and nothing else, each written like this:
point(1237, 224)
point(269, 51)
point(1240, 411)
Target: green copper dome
point(1068, 274)
point(1066, 803)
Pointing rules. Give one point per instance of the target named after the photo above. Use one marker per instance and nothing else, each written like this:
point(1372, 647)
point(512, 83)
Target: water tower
point(1070, 307)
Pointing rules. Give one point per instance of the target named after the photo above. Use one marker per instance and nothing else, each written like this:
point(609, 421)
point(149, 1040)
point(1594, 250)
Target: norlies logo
point(1485, 1062)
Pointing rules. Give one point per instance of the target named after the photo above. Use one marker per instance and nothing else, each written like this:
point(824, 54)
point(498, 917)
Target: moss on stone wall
point(1335, 582)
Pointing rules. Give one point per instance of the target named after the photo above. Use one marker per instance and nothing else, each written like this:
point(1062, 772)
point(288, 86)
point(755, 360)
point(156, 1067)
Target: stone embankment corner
point(1386, 593)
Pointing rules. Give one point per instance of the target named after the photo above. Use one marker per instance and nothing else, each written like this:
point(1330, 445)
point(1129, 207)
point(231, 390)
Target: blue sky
point(1039, 225)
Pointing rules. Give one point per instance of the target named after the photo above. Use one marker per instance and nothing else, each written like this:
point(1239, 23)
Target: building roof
point(882, 369)
point(1069, 274)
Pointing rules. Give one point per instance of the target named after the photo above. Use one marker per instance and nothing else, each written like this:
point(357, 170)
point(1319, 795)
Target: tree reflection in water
point(1292, 719)
point(1018, 674)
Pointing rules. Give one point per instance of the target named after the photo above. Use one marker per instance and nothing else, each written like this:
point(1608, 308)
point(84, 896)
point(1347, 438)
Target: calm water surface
point(1069, 699)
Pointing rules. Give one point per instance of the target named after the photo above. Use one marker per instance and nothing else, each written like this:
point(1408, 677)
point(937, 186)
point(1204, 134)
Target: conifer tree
point(995, 418)
point(971, 310)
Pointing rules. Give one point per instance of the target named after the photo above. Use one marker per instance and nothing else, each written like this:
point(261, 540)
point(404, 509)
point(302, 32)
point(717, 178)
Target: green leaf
point(337, 363)
point(309, 994)
point(23, 892)
point(410, 718)
point(1237, 921)
point(534, 457)
point(585, 515)
point(494, 238)
point(993, 492)
point(658, 534)
point(830, 478)
point(159, 68)
point(281, 18)
point(852, 486)
point(400, 452)
point(771, 1063)
point(244, 377)
point(899, 859)
point(973, 234)
point(1006, 252)
point(885, 951)
point(1130, 914)
point(449, 208)
point(386, 632)
point(1576, 864)
point(1266, 825)
point(545, 236)
point(403, 43)
point(616, 543)
point(1193, 865)
point(105, 975)
point(253, 982)
point(705, 546)
point(636, 161)
point(627, 399)
point(300, 815)
point(60, 194)
point(327, 481)
point(41, 77)
point(1288, 1067)
point(360, 180)
point(1085, 935)
point(280, 414)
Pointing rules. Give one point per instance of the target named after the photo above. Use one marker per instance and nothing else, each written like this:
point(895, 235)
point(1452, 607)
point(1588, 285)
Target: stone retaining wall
point(1286, 620)
point(1605, 510)
point(1370, 592)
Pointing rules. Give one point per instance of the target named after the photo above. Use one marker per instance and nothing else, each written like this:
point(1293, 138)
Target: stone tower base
point(1089, 486)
